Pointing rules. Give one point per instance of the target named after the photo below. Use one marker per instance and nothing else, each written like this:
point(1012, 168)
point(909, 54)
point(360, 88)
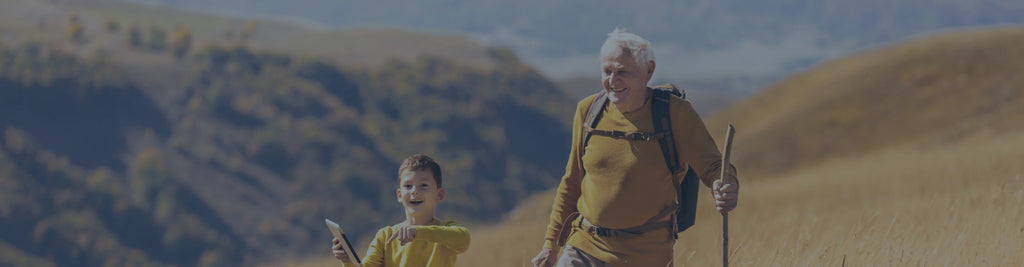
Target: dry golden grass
point(954, 205)
point(931, 90)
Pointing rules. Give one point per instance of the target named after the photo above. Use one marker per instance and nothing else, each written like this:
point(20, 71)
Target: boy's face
point(418, 192)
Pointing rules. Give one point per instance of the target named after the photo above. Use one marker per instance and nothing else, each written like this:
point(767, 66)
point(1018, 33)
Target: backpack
point(686, 191)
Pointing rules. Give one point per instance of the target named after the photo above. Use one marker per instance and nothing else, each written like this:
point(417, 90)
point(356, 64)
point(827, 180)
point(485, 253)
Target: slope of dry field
point(958, 205)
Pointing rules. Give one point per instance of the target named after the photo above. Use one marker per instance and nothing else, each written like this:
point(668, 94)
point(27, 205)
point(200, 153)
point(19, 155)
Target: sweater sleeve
point(695, 145)
point(375, 253)
point(569, 189)
point(448, 234)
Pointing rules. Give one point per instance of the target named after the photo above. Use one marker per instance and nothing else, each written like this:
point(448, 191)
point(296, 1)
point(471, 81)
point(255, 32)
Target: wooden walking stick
point(726, 179)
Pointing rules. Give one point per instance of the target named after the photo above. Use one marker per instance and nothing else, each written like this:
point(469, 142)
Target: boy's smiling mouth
point(415, 202)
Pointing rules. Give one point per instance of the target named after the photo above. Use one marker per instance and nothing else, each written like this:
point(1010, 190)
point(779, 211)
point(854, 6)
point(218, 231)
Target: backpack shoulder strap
point(663, 124)
point(660, 102)
point(686, 189)
point(593, 115)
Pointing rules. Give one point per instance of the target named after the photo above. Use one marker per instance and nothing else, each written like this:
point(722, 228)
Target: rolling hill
point(720, 51)
point(930, 92)
point(904, 155)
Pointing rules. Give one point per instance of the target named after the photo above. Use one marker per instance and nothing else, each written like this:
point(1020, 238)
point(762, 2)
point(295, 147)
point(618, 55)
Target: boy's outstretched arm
point(449, 234)
point(374, 253)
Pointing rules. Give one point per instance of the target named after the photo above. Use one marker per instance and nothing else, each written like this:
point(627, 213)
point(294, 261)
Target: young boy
point(421, 240)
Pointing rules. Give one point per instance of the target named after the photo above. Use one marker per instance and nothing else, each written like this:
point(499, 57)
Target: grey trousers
point(573, 257)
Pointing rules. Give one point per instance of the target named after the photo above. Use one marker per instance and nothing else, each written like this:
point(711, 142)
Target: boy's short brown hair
point(420, 162)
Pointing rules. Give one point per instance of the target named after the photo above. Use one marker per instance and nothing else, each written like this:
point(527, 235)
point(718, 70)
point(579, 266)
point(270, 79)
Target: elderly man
point(622, 188)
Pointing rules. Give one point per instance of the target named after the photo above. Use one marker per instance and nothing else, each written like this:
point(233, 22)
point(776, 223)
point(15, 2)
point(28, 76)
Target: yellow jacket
point(436, 244)
point(621, 184)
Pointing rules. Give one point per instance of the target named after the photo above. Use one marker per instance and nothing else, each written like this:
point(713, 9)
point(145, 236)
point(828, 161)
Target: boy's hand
point(339, 253)
point(405, 234)
point(545, 258)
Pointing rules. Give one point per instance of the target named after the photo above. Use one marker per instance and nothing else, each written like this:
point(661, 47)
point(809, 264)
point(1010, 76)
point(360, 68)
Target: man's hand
point(546, 258)
point(405, 234)
point(725, 196)
point(339, 253)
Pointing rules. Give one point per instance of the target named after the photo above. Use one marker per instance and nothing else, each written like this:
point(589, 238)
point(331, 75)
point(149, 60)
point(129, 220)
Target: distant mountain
point(721, 51)
point(233, 154)
point(694, 38)
point(45, 20)
point(252, 150)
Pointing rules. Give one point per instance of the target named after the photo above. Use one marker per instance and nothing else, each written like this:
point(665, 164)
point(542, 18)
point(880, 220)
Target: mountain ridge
point(698, 39)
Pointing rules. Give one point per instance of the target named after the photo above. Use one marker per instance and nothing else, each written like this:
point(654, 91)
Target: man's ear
point(440, 193)
point(650, 68)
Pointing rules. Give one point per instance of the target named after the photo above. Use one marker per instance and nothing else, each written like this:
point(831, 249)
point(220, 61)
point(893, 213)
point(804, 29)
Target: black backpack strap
point(593, 116)
point(686, 190)
point(663, 124)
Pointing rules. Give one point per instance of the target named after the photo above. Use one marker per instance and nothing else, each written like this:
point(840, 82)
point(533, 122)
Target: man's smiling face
point(418, 192)
point(624, 80)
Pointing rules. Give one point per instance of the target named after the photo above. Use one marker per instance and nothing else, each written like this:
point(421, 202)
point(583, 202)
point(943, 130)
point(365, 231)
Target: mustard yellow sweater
point(436, 244)
point(621, 184)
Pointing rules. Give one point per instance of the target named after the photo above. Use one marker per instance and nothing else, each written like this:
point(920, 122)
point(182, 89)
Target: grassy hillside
point(941, 188)
point(929, 91)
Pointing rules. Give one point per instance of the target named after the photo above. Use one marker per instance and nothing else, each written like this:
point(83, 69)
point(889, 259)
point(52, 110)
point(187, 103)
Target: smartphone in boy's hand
point(342, 247)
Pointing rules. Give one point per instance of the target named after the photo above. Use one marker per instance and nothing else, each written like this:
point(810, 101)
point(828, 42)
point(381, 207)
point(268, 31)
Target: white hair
point(641, 49)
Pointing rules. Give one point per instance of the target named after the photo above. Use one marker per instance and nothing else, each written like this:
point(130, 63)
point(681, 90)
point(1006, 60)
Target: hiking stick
point(726, 179)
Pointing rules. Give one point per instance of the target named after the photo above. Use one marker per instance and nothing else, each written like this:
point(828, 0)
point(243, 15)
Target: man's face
point(418, 192)
point(624, 81)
